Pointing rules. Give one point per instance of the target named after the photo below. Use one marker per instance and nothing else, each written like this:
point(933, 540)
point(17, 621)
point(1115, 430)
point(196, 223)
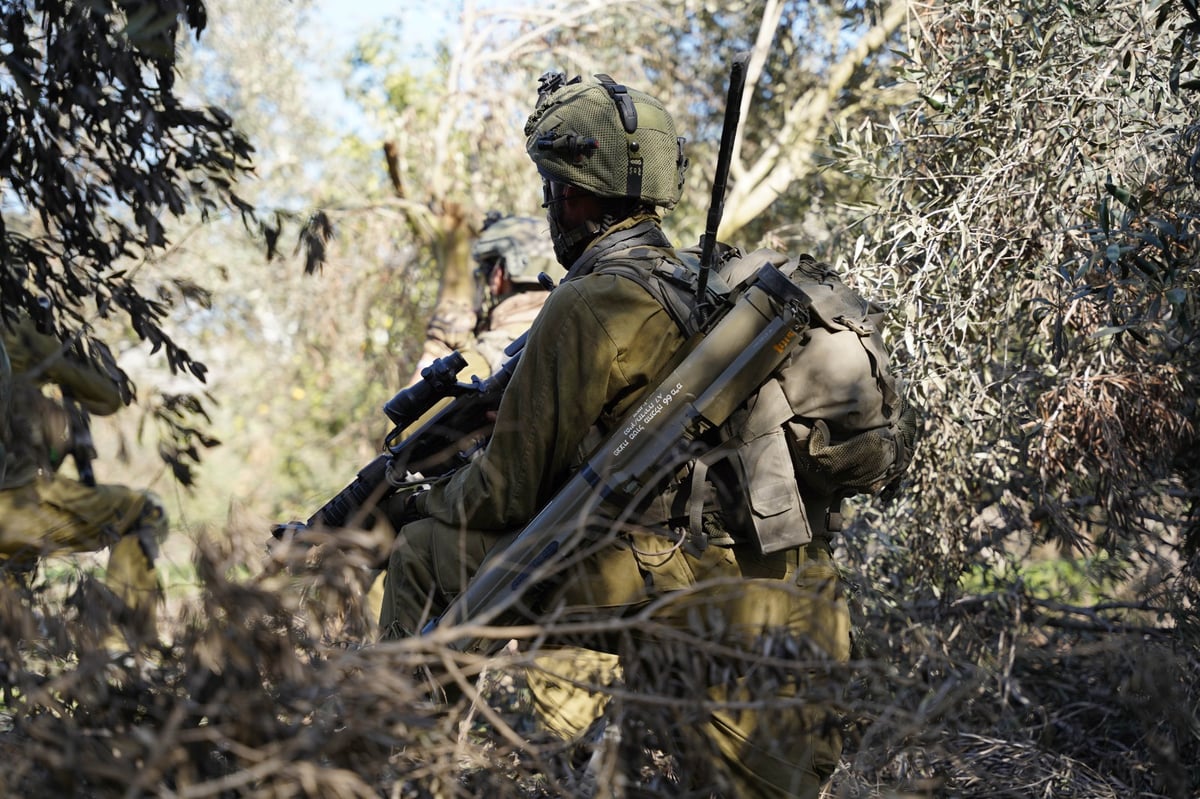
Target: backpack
point(830, 422)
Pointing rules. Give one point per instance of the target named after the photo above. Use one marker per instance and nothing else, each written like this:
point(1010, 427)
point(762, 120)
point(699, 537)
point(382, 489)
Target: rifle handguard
point(389, 471)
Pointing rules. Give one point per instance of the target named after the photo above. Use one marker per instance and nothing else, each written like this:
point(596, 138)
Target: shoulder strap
point(662, 283)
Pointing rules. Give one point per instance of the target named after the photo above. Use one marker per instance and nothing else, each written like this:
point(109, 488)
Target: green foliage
point(1035, 219)
point(1018, 180)
point(1073, 580)
point(1035, 292)
point(98, 150)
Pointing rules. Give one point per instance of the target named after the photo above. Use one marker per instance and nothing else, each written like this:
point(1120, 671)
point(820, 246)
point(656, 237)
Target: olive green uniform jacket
point(34, 432)
point(598, 343)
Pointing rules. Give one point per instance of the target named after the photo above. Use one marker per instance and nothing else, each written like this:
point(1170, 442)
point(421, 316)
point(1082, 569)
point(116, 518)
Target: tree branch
point(783, 160)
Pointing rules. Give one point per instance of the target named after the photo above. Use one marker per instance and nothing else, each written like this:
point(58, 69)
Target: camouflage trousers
point(732, 661)
point(57, 515)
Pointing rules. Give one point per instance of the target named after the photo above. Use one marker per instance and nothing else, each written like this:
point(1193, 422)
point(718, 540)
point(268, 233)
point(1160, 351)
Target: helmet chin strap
point(570, 244)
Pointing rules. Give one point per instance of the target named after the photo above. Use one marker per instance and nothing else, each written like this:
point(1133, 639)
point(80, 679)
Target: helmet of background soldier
point(521, 244)
point(607, 139)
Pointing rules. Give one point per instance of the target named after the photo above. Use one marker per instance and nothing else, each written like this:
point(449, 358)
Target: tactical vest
point(830, 423)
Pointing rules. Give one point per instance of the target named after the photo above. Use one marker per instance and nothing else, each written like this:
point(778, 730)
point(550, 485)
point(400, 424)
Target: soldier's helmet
point(521, 244)
point(608, 139)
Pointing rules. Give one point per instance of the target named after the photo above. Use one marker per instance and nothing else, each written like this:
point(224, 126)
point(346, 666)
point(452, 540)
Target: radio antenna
point(716, 207)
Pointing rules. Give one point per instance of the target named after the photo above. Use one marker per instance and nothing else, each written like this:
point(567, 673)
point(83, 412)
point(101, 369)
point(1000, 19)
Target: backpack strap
point(755, 445)
point(673, 282)
point(792, 470)
point(666, 282)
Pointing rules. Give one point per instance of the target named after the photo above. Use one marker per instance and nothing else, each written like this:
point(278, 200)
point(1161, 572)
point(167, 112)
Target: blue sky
point(422, 20)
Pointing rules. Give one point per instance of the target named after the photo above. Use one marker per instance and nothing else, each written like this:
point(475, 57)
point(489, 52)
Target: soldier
point(510, 254)
point(609, 159)
point(450, 329)
point(43, 512)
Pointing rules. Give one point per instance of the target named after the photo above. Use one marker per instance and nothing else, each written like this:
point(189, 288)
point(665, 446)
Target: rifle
point(440, 445)
point(748, 342)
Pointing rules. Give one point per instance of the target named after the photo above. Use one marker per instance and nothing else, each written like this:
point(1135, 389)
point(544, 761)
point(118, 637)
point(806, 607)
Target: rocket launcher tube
point(732, 360)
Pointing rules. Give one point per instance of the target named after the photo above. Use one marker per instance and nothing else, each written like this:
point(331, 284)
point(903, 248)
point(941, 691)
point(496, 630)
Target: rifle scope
point(436, 381)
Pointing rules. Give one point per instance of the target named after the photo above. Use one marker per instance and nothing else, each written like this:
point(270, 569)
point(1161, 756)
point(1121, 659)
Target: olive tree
point(1039, 210)
point(1036, 206)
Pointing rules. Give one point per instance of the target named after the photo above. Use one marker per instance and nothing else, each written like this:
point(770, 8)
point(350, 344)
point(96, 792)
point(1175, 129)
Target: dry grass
point(995, 696)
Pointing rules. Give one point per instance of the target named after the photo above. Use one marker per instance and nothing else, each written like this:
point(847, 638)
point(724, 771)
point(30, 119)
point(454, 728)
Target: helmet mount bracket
point(625, 107)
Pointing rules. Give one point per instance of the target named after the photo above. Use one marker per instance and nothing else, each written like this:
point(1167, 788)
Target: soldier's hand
point(285, 532)
point(287, 545)
point(405, 507)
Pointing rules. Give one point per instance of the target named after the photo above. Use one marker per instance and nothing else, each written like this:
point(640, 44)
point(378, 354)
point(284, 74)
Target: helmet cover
point(522, 243)
point(606, 139)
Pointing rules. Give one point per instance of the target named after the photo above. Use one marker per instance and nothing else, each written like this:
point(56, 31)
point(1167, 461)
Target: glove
point(406, 507)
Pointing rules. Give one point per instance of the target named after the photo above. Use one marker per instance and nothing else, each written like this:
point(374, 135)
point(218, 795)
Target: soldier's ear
point(498, 277)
